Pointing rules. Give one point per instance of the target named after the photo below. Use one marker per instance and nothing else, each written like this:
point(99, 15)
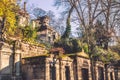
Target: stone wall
point(38, 65)
point(62, 69)
point(28, 50)
point(33, 68)
point(5, 60)
point(83, 68)
point(11, 55)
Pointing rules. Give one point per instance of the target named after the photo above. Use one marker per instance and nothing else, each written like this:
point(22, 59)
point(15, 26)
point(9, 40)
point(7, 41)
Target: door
point(52, 73)
point(67, 72)
point(85, 75)
point(100, 73)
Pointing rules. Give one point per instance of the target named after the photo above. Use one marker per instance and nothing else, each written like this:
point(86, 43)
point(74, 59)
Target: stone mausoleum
point(63, 67)
point(36, 63)
point(23, 61)
point(45, 32)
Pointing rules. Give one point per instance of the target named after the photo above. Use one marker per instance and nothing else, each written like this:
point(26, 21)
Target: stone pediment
point(82, 54)
point(5, 48)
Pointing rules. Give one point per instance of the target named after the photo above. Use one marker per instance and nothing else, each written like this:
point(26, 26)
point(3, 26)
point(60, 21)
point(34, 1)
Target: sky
point(43, 4)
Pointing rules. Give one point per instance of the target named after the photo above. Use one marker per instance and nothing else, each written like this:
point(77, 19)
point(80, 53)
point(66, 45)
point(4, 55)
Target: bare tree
point(88, 12)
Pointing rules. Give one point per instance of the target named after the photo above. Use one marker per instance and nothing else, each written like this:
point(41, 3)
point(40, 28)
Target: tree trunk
point(2, 28)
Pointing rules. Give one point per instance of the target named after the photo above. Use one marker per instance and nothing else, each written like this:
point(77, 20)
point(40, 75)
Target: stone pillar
point(71, 73)
point(113, 75)
point(104, 73)
point(60, 68)
point(79, 67)
point(62, 72)
point(5, 63)
point(79, 71)
point(109, 76)
point(96, 71)
point(47, 70)
point(75, 70)
point(0, 64)
point(57, 71)
point(89, 70)
point(18, 65)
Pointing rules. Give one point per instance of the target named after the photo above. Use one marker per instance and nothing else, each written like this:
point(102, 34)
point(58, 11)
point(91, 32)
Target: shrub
point(69, 45)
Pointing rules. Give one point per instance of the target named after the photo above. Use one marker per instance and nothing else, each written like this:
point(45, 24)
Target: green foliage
point(69, 45)
point(47, 45)
point(76, 45)
point(7, 13)
point(116, 48)
point(105, 55)
point(68, 30)
point(85, 47)
point(110, 56)
point(29, 34)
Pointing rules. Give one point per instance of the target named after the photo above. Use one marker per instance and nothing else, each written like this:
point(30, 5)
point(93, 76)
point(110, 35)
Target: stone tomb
point(59, 68)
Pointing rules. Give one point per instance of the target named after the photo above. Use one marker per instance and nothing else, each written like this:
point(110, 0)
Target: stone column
point(60, 68)
point(108, 75)
point(18, 65)
point(0, 64)
point(57, 71)
point(113, 75)
point(79, 67)
point(62, 71)
point(104, 73)
point(89, 70)
point(96, 71)
point(71, 73)
point(47, 70)
point(79, 71)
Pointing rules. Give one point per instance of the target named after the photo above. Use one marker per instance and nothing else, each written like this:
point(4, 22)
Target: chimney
point(24, 6)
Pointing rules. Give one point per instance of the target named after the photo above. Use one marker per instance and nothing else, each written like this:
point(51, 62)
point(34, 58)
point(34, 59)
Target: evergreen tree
point(68, 26)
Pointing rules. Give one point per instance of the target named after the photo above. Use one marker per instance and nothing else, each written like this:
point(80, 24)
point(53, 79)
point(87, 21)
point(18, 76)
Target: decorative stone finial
point(24, 6)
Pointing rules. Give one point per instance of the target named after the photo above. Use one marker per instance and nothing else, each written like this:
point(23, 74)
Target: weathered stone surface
point(37, 65)
point(5, 57)
point(10, 57)
point(28, 50)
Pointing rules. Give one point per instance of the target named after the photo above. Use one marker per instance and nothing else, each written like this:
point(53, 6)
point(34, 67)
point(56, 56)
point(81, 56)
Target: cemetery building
point(36, 63)
point(23, 61)
point(45, 32)
point(23, 17)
